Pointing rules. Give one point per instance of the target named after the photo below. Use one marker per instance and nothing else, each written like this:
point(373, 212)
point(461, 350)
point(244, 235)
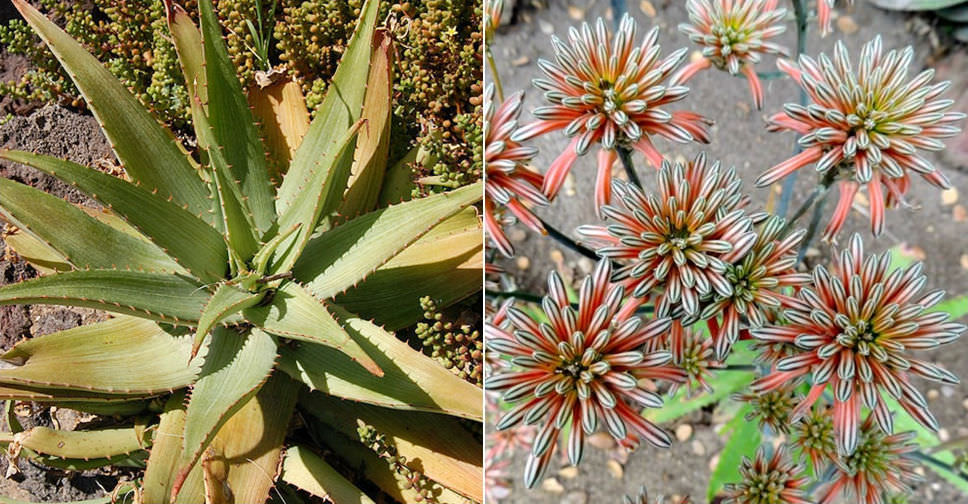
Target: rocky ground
point(934, 229)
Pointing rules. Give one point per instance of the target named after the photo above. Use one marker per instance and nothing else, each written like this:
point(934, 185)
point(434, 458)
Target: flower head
point(676, 244)
point(643, 498)
point(881, 464)
point(773, 408)
point(853, 331)
point(866, 125)
point(509, 185)
point(814, 436)
point(605, 90)
point(495, 9)
point(733, 34)
point(758, 282)
point(769, 480)
point(691, 352)
point(579, 368)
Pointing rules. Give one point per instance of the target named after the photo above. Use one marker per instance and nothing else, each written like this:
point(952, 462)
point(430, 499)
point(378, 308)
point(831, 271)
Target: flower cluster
point(580, 368)
point(833, 343)
point(733, 34)
point(769, 480)
point(509, 184)
point(604, 89)
point(852, 330)
point(865, 125)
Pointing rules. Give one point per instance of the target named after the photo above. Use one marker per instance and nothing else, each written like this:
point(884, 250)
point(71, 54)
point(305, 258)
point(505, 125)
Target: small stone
point(964, 261)
point(683, 432)
point(933, 394)
point(949, 196)
point(575, 497)
point(523, 263)
point(847, 24)
point(919, 470)
point(944, 435)
point(616, 469)
point(520, 62)
point(557, 257)
point(698, 448)
point(517, 235)
point(713, 462)
point(576, 13)
point(570, 472)
point(965, 404)
point(744, 108)
point(695, 56)
point(647, 8)
point(861, 199)
point(546, 27)
point(551, 485)
point(604, 441)
point(959, 213)
point(586, 265)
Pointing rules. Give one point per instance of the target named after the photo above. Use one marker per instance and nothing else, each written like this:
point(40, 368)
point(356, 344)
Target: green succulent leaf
point(448, 453)
point(235, 368)
point(377, 470)
point(163, 464)
point(320, 196)
point(743, 440)
point(153, 296)
point(187, 40)
point(232, 123)
point(306, 471)
point(340, 109)
point(83, 445)
point(122, 356)
point(81, 240)
point(186, 238)
point(251, 442)
point(150, 154)
point(411, 380)
point(343, 256)
point(373, 142)
point(227, 300)
point(295, 314)
point(447, 261)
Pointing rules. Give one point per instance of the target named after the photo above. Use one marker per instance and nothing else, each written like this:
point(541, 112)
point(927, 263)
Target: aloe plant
point(244, 294)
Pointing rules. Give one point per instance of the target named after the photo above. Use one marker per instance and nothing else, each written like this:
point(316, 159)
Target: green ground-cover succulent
point(251, 284)
point(436, 100)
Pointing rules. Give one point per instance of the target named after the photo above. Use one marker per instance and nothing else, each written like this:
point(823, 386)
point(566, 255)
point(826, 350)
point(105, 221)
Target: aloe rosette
point(242, 293)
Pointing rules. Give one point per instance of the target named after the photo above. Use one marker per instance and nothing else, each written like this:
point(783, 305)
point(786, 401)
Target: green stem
point(535, 298)
point(800, 13)
point(813, 226)
point(568, 242)
point(625, 154)
point(939, 463)
point(495, 78)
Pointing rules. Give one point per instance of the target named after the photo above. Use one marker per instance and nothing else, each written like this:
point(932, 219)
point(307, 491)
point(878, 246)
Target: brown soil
point(57, 132)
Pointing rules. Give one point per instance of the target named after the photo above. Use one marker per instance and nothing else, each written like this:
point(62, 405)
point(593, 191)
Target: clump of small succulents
point(437, 93)
point(694, 283)
point(249, 282)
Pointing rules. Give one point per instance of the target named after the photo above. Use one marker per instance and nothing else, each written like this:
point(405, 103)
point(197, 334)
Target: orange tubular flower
point(580, 368)
point(509, 184)
point(867, 125)
point(733, 35)
point(605, 90)
point(824, 10)
point(853, 331)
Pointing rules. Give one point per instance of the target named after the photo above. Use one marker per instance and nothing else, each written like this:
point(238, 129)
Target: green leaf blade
point(343, 256)
point(81, 239)
point(226, 300)
point(150, 154)
point(152, 296)
point(295, 314)
point(308, 472)
point(186, 238)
